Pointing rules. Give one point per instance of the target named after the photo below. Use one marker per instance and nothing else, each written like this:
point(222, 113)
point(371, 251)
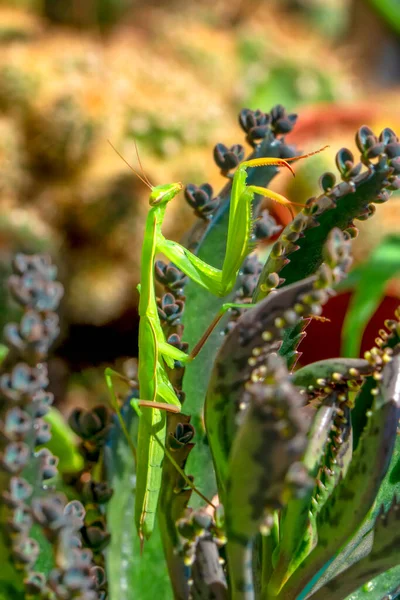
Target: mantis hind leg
point(136, 405)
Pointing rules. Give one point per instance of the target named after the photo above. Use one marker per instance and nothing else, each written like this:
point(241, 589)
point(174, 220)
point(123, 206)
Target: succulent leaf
point(359, 545)
point(382, 556)
point(347, 201)
point(264, 466)
point(354, 495)
point(63, 443)
point(351, 199)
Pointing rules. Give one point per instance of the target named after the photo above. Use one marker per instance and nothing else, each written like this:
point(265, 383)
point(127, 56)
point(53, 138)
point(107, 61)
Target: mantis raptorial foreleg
point(154, 351)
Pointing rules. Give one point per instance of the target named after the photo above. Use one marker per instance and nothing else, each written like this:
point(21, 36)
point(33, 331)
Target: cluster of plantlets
point(43, 555)
point(292, 479)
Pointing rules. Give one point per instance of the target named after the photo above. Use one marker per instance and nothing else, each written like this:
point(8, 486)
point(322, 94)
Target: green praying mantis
point(156, 392)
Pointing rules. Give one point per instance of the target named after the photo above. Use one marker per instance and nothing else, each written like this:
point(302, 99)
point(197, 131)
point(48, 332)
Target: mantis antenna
point(142, 179)
point(140, 164)
point(290, 159)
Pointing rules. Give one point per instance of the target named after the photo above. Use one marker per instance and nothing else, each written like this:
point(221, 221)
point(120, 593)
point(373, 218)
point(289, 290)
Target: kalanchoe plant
point(288, 444)
point(281, 480)
point(34, 517)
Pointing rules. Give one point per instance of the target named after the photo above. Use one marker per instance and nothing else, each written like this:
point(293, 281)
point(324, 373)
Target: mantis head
point(161, 194)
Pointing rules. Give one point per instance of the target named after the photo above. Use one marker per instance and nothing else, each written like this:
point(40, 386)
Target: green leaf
point(45, 562)
point(10, 578)
point(291, 341)
point(174, 497)
point(296, 256)
point(381, 266)
point(232, 368)
point(132, 575)
point(390, 11)
point(262, 456)
point(7, 591)
point(264, 463)
point(63, 443)
point(391, 484)
point(3, 352)
point(307, 377)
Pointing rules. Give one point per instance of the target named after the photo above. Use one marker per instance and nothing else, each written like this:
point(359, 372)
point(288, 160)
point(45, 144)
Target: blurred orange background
point(173, 76)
